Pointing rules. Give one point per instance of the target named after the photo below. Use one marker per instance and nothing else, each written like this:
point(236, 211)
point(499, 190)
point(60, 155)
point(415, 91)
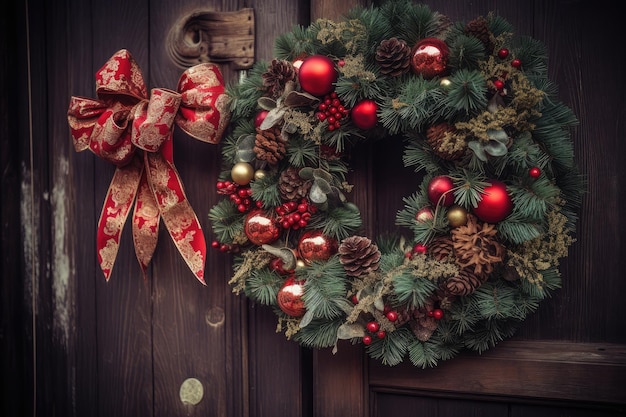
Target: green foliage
point(491, 133)
point(391, 349)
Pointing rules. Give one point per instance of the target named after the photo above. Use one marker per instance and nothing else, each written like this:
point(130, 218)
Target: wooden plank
point(17, 369)
point(123, 353)
point(538, 369)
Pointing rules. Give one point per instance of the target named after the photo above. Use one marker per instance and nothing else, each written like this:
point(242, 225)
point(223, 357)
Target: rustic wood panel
point(16, 375)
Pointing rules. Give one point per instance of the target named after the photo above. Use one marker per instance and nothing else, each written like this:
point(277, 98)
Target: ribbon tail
point(117, 203)
point(177, 214)
point(146, 218)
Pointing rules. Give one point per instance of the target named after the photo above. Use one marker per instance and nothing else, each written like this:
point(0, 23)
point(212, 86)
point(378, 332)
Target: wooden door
point(74, 344)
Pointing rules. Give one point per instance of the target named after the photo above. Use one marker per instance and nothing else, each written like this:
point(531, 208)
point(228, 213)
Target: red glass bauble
point(289, 297)
point(496, 203)
point(260, 228)
point(425, 214)
point(430, 57)
point(438, 187)
point(317, 75)
point(364, 115)
point(260, 116)
point(315, 246)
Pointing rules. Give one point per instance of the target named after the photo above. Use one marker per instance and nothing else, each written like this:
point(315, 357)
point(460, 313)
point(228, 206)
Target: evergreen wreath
point(493, 216)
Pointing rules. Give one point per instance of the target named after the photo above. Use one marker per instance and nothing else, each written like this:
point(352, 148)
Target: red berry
point(498, 84)
point(355, 299)
point(241, 208)
point(503, 53)
point(220, 185)
point(381, 334)
point(420, 248)
point(438, 314)
point(367, 340)
point(534, 172)
point(373, 326)
point(321, 116)
point(516, 63)
point(215, 244)
point(392, 316)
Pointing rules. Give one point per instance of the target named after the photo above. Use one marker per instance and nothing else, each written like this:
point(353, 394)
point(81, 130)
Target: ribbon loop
point(204, 112)
point(123, 122)
point(154, 120)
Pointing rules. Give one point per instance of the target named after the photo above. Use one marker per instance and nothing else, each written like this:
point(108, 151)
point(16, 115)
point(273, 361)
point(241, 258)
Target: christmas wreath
point(479, 243)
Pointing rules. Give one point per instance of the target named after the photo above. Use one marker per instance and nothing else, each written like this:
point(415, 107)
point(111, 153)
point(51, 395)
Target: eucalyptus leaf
point(323, 185)
point(316, 194)
point(266, 103)
point(273, 116)
point(349, 331)
point(495, 148)
point(306, 319)
point(478, 150)
point(320, 173)
point(306, 173)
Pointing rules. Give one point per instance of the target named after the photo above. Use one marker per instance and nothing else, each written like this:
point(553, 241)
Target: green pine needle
point(226, 221)
point(391, 349)
point(411, 291)
point(263, 285)
point(319, 334)
point(324, 289)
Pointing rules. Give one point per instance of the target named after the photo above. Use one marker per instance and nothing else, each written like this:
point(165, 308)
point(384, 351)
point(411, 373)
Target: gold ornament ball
point(242, 173)
point(457, 216)
point(445, 83)
point(259, 173)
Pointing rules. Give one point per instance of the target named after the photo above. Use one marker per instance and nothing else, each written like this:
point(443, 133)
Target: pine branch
point(337, 222)
point(410, 290)
point(226, 220)
point(324, 288)
point(319, 334)
point(262, 286)
point(466, 94)
point(423, 354)
point(302, 152)
point(391, 349)
point(265, 189)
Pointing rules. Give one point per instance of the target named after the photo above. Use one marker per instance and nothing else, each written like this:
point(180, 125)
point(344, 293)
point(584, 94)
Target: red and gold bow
point(133, 131)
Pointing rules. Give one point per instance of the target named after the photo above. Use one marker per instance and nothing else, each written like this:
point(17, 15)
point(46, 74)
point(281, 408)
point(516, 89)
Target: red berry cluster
point(331, 110)
point(437, 314)
point(373, 327)
point(419, 248)
point(240, 195)
point(293, 215)
point(225, 247)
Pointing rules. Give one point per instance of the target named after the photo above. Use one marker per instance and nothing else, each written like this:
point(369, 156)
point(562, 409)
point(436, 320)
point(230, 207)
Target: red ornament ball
point(364, 115)
point(315, 246)
point(425, 214)
point(440, 191)
point(534, 172)
point(289, 297)
point(496, 203)
point(430, 57)
point(260, 228)
point(260, 116)
point(317, 75)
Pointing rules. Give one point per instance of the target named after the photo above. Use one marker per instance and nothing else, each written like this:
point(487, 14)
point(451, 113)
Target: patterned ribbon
point(133, 131)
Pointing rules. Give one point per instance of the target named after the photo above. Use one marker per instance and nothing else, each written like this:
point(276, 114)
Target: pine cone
point(277, 75)
point(358, 255)
point(269, 145)
point(441, 248)
point(291, 186)
point(465, 283)
point(480, 29)
point(444, 145)
point(476, 246)
point(394, 57)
